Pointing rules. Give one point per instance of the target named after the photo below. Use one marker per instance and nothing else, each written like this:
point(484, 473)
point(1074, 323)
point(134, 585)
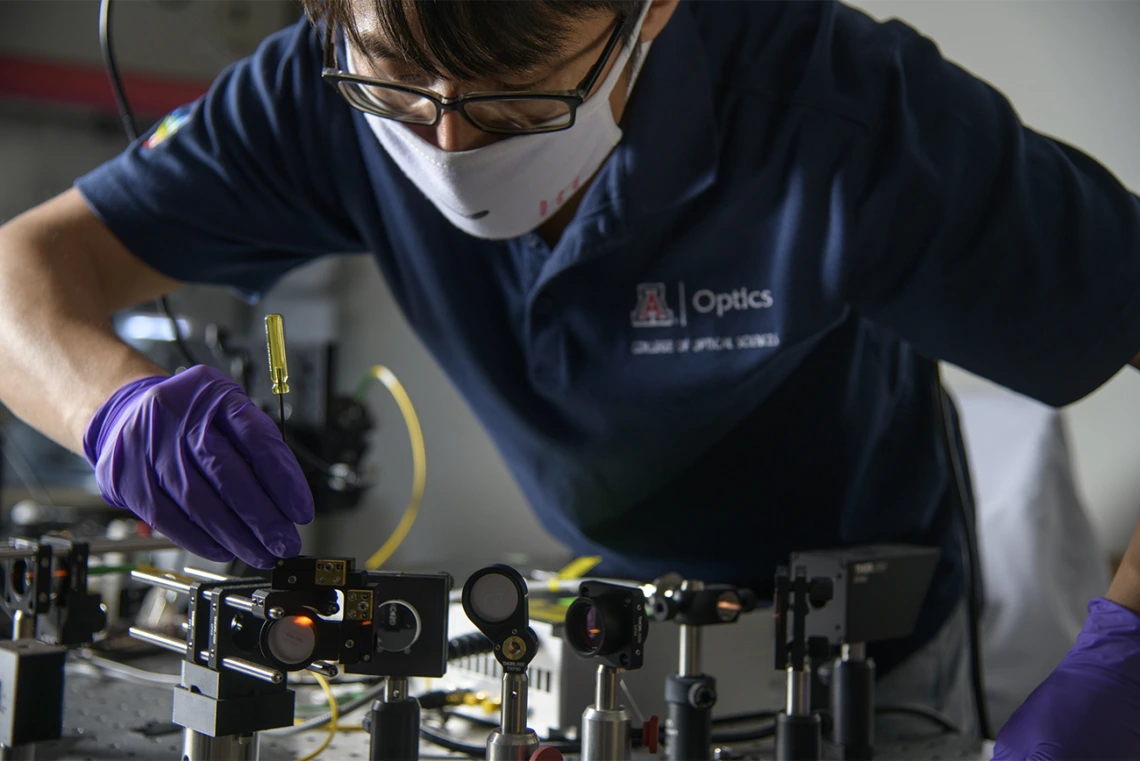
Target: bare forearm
point(59, 357)
point(1125, 587)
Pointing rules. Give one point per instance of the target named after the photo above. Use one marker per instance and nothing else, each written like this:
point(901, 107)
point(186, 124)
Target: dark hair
point(472, 39)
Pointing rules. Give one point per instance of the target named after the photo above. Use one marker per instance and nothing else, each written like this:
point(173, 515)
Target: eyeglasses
point(504, 113)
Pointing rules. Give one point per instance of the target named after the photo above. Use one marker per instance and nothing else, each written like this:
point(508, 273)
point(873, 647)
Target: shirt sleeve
point(983, 242)
point(238, 187)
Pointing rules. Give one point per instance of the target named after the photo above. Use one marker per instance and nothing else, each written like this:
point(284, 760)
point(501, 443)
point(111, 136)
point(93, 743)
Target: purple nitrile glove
point(1089, 707)
point(194, 457)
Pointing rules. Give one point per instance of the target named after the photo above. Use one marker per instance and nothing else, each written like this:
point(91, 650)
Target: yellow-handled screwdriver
point(278, 368)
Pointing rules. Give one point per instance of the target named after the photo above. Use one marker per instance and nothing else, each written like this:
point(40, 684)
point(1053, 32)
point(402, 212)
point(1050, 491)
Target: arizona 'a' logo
point(651, 311)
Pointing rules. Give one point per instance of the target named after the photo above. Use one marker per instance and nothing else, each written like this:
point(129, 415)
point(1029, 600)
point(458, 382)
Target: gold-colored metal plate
point(514, 648)
point(331, 573)
point(358, 605)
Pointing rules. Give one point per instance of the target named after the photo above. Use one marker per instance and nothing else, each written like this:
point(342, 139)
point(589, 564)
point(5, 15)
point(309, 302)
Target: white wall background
point(1069, 67)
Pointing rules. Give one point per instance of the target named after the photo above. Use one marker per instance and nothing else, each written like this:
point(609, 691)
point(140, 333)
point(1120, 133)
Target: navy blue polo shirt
point(730, 353)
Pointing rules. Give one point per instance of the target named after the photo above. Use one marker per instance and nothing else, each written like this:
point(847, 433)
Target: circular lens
point(494, 598)
point(292, 640)
point(585, 628)
point(728, 606)
point(594, 631)
point(397, 626)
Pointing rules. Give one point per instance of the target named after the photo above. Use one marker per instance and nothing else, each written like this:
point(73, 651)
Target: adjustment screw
point(350, 643)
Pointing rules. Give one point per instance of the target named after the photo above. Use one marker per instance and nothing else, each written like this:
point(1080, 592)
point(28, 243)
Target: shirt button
point(543, 305)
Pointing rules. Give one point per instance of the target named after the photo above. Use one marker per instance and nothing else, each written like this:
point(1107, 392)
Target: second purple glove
point(1089, 707)
point(194, 457)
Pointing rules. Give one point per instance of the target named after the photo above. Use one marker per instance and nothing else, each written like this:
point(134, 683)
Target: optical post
point(495, 600)
point(609, 622)
point(691, 694)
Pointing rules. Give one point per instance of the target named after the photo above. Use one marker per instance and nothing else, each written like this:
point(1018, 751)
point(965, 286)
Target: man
point(691, 264)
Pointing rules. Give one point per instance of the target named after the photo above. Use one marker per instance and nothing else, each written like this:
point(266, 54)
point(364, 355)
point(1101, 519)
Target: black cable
point(105, 45)
point(744, 735)
point(443, 740)
point(132, 131)
point(937, 717)
point(435, 737)
point(973, 560)
point(737, 718)
point(465, 645)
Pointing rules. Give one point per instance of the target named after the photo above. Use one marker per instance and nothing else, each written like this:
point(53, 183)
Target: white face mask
point(511, 186)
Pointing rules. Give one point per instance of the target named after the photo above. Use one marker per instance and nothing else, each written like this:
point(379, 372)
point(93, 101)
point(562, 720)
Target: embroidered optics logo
point(652, 311)
point(173, 122)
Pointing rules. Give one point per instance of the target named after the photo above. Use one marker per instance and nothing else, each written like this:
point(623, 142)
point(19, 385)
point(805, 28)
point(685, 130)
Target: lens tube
point(609, 622)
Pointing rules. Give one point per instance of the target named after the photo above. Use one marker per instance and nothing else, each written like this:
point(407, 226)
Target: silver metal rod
point(198, 573)
point(163, 581)
point(395, 689)
point(199, 747)
point(606, 688)
point(129, 544)
point(855, 651)
point(237, 602)
point(23, 625)
point(99, 546)
point(514, 706)
point(690, 662)
point(15, 553)
point(273, 676)
point(324, 668)
point(18, 753)
point(799, 692)
point(159, 640)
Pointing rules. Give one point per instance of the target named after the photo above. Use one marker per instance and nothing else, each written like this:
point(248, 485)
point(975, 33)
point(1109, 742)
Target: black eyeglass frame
point(572, 98)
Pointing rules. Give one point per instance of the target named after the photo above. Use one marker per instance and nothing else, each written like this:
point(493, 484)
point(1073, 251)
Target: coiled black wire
point(130, 127)
point(466, 645)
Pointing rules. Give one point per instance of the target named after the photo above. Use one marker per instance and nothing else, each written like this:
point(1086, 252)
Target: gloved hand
point(1089, 707)
point(192, 456)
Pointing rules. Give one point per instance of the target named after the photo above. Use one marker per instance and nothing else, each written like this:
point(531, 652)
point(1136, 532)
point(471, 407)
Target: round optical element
point(292, 640)
point(494, 598)
point(728, 606)
point(397, 626)
point(585, 627)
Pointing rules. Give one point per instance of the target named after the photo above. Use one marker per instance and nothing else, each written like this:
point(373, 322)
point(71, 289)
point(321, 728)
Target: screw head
point(292, 580)
point(350, 643)
point(514, 648)
point(366, 658)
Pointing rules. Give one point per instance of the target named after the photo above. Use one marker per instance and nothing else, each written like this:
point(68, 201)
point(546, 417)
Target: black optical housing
point(608, 622)
point(515, 641)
